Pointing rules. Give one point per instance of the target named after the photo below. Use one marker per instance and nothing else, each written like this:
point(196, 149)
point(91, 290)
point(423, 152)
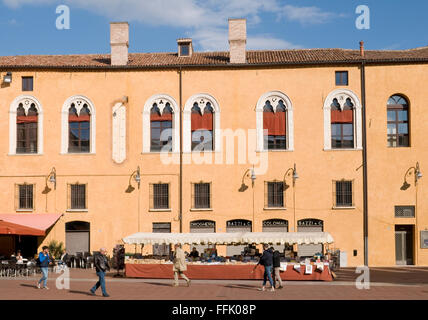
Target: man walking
point(101, 265)
point(44, 266)
point(179, 265)
point(276, 268)
point(266, 260)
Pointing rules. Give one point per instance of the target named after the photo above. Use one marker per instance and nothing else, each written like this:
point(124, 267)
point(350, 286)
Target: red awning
point(17, 229)
point(34, 224)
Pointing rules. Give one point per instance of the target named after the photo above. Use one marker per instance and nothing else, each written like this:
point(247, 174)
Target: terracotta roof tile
point(300, 56)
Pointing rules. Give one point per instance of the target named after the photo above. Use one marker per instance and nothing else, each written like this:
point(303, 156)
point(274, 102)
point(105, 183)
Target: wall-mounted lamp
point(250, 173)
point(412, 170)
point(293, 172)
point(8, 77)
point(137, 177)
point(51, 177)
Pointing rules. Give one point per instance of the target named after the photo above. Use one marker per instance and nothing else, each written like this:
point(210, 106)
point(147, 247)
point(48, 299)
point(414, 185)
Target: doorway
point(77, 236)
point(404, 243)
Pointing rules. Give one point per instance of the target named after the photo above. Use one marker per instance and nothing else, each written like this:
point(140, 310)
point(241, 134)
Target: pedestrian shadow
point(85, 293)
point(241, 286)
point(160, 284)
point(28, 285)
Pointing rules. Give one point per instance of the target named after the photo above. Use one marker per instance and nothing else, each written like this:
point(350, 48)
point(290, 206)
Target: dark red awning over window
point(26, 119)
point(274, 123)
point(345, 116)
point(202, 122)
point(82, 118)
point(157, 117)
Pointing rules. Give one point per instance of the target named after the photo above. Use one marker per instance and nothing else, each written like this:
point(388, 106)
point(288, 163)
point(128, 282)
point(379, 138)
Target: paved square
point(405, 283)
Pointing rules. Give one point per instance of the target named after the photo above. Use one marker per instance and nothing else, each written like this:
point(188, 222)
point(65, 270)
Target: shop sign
point(238, 223)
point(275, 223)
point(202, 224)
point(310, 223)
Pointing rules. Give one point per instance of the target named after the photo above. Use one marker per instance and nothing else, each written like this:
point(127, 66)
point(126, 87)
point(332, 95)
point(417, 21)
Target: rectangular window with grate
point(343, 193)
point(274, 194)
point(201, 195)
point(159, 196)
point(341, 78)
point(25, 197)
point(404, 211)
point(78, 196)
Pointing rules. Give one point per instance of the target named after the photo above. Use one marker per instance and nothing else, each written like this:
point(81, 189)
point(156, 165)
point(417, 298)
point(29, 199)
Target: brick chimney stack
point(362, 48)
point(119, 43)
point(237, 40)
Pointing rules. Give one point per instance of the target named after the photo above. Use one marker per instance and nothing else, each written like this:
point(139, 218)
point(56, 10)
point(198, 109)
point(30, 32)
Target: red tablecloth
point(221, 272)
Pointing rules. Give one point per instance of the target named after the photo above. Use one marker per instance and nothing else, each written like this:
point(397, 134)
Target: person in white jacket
point(179, 265)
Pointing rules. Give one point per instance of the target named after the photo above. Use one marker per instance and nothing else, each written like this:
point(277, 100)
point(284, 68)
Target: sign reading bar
point(238, 223)
point(310, 223)
point(275, 223)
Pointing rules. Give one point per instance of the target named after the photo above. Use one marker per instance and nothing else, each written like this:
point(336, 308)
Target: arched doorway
point(309, 225)
point(77, 236)
point(202, 226)
point(237, 226)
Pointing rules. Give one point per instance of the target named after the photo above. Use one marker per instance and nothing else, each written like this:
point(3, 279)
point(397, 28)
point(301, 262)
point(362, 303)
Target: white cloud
point(204, 20)
point(307, 15)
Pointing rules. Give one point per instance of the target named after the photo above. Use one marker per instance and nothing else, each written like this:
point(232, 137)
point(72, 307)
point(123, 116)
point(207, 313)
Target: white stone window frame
point(175, 121)
point(273, 97)
point(342, 95)
point(202, 99)
point(64, 123)
point(26, 100)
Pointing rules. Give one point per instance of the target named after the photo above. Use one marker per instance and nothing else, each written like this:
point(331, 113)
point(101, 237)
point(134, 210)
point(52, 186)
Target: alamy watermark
point(363, 20)
point(63, 280)
point(363, 281)
point(63, 20)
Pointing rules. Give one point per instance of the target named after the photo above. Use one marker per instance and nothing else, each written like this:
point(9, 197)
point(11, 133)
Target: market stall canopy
point(230, 238)
point(32, 221)
point(9, 228)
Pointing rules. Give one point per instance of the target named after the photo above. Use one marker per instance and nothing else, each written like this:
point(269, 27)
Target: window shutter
point(192, 186)
point(16, 196)
point(151, 196)
point(86, 195)
point(33, 187)
point(68, 195)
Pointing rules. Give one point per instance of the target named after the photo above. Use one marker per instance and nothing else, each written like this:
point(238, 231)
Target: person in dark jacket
point(101, 266)
point(276, 267)
point(266, 260)
point(44, 267)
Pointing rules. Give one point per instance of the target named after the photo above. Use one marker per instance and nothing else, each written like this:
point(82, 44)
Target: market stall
point(237, 267)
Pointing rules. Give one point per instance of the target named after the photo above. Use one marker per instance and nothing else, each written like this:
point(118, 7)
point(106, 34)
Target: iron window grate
point(404, 211)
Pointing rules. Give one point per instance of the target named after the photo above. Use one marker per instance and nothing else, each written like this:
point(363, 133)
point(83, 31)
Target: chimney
point(362, 48)
point(185, 47)
point(119, 43)
point(237, 40)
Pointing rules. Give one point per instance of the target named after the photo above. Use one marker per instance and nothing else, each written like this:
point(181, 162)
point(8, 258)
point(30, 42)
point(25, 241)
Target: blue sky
point(28, 26)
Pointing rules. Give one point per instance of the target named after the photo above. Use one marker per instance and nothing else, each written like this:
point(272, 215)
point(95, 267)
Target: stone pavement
point(406, 283)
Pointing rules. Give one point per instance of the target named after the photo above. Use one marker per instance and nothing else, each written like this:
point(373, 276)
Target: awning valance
point(35, 224)
point(9, 228)
point(230, 238)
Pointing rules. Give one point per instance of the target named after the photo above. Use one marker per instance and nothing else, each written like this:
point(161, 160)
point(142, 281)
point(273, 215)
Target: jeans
point(44, 278)
point(101, 282)
point(268, 275)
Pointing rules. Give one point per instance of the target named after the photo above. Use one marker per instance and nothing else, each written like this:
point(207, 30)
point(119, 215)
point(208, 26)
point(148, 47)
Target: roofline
point(213, 66)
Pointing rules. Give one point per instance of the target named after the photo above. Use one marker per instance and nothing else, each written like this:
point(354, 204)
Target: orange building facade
point(324, 144)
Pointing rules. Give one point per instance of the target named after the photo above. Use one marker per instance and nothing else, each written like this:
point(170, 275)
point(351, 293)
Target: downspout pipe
point(180, 192)
point(364, 142)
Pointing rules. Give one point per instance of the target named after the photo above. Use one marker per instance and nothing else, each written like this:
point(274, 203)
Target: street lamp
point(417, 174)
point(293, 172)
point(250, 173)
point(137, 177)
point(51, 177)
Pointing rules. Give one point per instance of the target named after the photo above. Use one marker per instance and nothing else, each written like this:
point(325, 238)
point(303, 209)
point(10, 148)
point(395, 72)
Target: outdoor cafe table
point(222, 272)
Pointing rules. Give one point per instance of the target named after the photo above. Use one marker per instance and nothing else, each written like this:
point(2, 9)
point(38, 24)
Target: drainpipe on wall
point(180, 192)
point(364, 142)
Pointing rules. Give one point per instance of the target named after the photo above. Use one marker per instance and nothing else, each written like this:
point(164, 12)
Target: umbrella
point(17, 229)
